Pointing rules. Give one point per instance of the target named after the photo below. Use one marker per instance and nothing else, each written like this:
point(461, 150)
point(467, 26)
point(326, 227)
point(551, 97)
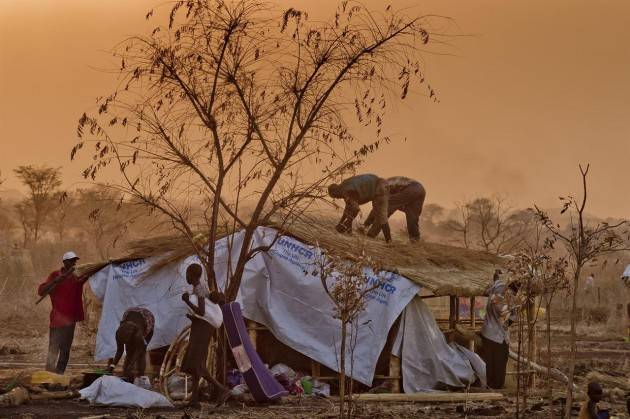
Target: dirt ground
point(596, 352)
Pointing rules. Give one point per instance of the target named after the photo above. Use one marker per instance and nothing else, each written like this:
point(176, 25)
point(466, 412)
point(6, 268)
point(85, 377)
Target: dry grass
point(443, 270)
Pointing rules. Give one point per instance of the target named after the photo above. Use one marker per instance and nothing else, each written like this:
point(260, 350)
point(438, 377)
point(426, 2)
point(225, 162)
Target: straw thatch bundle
point(443, 270)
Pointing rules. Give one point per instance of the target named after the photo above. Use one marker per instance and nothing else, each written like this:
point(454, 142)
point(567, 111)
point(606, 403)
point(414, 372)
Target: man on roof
point(406, 195)
point(359, 190)
point(66, 295)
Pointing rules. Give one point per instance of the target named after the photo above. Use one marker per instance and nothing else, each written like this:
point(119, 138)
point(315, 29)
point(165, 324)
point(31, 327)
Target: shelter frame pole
point(252, 331)
point(394, 373)
point(473, 322)
point(452, 318)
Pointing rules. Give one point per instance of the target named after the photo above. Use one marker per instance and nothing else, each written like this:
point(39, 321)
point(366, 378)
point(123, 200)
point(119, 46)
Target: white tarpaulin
point(428, 361)
point(112, 391)
point(282, 294)
point(277, 290)
point(122, 286)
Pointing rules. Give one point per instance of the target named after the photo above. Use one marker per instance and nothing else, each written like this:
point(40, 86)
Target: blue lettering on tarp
point(295, 247)
point(129, 269)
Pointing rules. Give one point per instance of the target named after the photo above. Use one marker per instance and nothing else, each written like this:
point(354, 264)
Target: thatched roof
point(440, 269)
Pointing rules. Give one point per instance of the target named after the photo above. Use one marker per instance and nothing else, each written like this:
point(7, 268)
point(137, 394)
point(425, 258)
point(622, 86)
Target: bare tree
point(584, 244)
point(489, 224)
point(348, 285)
point(542, 275)
point(233, 102)
point(461, 225)
point(42, 183)
point(103, 216)
point(63, 204)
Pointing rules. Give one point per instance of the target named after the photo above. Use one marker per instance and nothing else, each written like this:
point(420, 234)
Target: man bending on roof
point(406, 195)
point(359, 190)
point(133, 336)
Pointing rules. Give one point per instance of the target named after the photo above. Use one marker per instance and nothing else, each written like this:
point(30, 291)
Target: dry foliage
point(233, 102)
point(584, 244)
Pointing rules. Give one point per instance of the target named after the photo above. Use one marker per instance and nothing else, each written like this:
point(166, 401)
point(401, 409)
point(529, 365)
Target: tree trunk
point(549, 381)
point(518, 365)
point(342, 370)
point(576, 280)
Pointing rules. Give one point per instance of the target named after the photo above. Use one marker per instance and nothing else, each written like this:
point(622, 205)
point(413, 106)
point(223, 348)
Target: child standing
point(195, 359)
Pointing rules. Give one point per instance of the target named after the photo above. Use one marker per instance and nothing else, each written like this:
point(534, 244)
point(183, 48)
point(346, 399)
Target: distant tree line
point(97, 215)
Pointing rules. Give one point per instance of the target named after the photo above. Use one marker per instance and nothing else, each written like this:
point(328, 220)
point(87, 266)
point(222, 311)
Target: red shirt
point(66, 299)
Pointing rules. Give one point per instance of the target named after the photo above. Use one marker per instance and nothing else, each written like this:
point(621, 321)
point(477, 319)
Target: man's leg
point(142, 361)
point(380, 208)
point(410, 200)
point(222, 392)
point(489, 355)
point(501, 364)
point(53, 349)
point(67, 336)
point(194, 399)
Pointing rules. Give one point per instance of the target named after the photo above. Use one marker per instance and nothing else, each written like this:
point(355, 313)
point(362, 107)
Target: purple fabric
point(258, 378)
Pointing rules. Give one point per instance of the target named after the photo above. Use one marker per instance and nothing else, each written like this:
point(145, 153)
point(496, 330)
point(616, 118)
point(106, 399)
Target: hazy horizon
point(533, 89)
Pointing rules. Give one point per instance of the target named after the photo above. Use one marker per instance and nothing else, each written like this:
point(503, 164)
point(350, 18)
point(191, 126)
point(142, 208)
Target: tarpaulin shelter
point(279, 292)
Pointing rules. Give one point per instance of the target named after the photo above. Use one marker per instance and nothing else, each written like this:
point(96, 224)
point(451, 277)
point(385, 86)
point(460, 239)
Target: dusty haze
point(536, 88)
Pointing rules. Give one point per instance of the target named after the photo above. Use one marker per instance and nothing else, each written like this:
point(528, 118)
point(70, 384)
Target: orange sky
point(539, 87)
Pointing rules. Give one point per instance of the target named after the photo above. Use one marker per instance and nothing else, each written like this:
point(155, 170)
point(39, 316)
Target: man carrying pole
point(66, 297)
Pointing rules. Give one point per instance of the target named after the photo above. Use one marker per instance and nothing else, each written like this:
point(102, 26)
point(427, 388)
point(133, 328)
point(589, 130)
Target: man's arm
point(44, 285)
point(387, 232)
point(119, 351)
point(198, 310)
point(350, 212)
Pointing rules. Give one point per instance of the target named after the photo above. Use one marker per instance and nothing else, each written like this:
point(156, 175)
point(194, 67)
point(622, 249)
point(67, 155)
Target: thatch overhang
point(440, 269)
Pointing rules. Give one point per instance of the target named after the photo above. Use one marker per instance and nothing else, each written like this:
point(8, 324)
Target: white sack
point(112, 391)
point(212, 314)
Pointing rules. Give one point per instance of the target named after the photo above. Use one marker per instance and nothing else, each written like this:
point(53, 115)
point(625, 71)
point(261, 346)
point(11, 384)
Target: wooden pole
point(252, 331)
point(394, 373)
point(452, 320)
point(473, 322)
point(429, 397)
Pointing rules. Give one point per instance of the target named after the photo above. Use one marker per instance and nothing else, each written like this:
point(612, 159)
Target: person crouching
point(133, 336)
point(204, 315)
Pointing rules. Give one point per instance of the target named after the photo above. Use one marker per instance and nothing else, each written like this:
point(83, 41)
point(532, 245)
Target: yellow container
point(47, 377)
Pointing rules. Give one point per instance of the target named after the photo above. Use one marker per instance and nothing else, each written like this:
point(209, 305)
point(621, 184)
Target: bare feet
point(223, 397)
point(194, 405)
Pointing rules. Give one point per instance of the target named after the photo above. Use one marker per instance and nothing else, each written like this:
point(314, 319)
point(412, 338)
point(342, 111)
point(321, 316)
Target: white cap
point(69, 256)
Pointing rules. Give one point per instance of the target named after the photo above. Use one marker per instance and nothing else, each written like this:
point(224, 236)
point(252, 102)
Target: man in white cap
point(66, 295)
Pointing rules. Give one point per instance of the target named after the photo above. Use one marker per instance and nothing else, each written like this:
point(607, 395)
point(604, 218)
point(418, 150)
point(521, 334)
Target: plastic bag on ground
point(239, 389)
point(113, 391)
point(320, 389)
point(177, 387)
point(281, 369)
point(143, 382)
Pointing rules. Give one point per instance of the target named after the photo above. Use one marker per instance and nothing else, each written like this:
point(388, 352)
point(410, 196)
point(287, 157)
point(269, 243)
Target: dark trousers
point(59, 343)
point(495, 355)
point(409, 200)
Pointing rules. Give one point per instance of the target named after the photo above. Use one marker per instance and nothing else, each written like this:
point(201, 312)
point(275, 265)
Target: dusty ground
point(601, 353)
